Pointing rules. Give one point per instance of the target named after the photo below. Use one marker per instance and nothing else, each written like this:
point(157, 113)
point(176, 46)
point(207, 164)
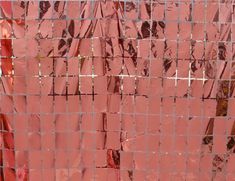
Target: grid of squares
point(125, 90)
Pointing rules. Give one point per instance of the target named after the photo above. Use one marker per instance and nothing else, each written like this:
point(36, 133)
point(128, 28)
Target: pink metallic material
point(117, 90)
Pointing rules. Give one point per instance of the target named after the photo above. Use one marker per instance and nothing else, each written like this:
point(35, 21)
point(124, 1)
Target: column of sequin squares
point(117, 90)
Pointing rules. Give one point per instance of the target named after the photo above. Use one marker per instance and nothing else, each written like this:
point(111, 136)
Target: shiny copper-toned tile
point(117, 90)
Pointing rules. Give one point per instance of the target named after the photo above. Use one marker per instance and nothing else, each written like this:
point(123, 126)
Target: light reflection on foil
point(117, 90)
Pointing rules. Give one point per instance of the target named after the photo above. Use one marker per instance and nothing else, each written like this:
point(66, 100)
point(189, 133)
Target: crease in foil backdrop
point(117, 90)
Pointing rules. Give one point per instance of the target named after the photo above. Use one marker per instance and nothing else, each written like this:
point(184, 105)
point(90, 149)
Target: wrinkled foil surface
point(117, 90)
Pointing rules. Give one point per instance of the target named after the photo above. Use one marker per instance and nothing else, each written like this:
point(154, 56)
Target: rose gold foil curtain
point(117, 90)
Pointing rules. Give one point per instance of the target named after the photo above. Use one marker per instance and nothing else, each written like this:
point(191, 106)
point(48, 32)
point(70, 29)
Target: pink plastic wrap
point(117, 90)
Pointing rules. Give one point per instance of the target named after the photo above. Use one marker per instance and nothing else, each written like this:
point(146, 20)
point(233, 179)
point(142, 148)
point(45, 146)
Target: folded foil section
point(117, 90)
